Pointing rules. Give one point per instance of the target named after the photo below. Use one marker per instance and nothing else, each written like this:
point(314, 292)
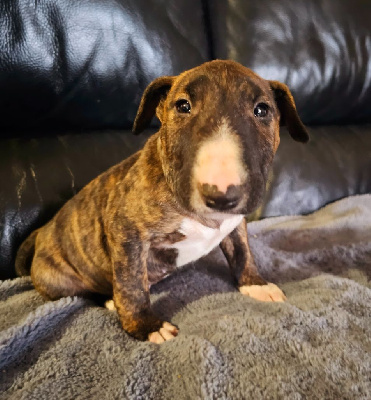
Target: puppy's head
point(219, 133)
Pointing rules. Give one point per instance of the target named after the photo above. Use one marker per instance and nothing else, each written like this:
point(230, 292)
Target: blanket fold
point(314, 346)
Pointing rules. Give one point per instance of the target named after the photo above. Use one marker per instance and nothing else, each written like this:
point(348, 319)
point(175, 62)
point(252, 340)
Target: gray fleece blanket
point(315, 346)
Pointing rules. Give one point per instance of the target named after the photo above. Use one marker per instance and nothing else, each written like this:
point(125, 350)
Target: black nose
point(218, 200)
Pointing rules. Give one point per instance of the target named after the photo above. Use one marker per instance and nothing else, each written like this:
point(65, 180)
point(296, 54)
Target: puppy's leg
point(237, 252)
point(131, 293)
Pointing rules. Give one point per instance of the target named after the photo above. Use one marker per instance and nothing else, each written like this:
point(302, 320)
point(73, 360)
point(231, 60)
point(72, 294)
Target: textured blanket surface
point(317, 345)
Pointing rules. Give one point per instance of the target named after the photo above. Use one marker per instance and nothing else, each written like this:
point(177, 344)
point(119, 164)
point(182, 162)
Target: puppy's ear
point(155, 92)
point(289, 116)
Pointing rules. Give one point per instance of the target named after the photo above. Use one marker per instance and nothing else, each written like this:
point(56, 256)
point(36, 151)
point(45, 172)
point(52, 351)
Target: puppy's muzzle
point(219, 201)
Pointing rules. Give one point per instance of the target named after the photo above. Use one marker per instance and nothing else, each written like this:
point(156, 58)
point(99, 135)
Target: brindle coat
point(118, 235)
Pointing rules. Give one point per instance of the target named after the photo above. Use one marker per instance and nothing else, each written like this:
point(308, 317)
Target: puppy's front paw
point(165, 333)
point(268, 292)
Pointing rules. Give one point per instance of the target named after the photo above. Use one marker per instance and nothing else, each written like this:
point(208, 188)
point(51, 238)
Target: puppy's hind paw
point(268, 292)
point(165, 333)
point(110, 305)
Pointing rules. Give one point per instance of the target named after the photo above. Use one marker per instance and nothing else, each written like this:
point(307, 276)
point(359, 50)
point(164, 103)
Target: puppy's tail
point(25, 255)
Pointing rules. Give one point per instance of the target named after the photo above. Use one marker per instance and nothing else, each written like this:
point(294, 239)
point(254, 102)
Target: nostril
point(210, 202)
point(221, 203)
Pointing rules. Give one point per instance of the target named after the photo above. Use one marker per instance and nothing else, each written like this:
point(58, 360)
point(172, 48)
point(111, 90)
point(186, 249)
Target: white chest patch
point(200, 239)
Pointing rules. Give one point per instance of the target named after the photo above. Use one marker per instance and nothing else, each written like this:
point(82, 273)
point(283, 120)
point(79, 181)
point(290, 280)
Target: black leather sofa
point(72, 73)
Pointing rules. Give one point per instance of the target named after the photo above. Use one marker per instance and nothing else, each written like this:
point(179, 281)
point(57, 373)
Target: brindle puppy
point(183, 194)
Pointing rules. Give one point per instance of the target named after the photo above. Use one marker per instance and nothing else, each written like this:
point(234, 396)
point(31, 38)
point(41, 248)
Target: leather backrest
point(321, 49)
point(85, 63)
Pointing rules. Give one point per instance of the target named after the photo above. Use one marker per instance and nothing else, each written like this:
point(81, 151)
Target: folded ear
point(289, 116)
point(152, 96)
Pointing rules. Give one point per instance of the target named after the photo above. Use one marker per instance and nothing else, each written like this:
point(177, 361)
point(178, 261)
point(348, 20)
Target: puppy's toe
point(165, 333)
point(110, 305)
point(156, 337)
point(269, 292)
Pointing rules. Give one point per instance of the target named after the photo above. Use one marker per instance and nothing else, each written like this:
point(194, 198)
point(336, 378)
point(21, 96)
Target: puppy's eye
point(261, 110)
point(183, 106)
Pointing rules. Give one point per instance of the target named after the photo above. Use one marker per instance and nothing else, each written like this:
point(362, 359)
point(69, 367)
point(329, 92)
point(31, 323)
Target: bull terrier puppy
point(186, 192)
